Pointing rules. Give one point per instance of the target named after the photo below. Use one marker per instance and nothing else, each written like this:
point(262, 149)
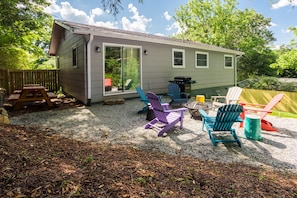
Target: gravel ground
point(120, 124)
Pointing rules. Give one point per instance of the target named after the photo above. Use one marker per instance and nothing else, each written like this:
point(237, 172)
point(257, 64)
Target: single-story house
point(98, 63)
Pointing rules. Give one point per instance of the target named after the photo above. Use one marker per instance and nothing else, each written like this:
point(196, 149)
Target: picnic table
point(31, 93)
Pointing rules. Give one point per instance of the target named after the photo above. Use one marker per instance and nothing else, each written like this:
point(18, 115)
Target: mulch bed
point(35, 162)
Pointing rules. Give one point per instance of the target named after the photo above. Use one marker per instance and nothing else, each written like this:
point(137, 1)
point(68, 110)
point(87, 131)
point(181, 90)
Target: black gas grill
point(184, 83)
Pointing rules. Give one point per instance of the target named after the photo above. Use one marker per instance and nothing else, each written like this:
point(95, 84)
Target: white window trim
point(184, 58)
point(74, 47)
point(225, 61)
point(207, 59)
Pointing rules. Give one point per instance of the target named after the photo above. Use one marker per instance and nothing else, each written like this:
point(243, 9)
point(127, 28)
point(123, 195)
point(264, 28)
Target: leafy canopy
point(24, 31)
point(287, 56)
point(221, 23)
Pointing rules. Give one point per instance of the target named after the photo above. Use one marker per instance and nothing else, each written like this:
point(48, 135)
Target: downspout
point(235, 70)
point(89, 92)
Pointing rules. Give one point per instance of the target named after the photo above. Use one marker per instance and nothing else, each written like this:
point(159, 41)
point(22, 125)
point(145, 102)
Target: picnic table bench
point(31, 93)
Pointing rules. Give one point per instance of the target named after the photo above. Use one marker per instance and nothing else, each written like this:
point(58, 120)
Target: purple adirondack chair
point(168, 118)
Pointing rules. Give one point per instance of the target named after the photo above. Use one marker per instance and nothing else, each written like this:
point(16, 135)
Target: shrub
point(267, 83)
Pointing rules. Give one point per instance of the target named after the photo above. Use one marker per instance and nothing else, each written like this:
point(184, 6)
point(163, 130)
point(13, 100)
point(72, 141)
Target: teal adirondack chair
point(144, 99)
point(222, 124)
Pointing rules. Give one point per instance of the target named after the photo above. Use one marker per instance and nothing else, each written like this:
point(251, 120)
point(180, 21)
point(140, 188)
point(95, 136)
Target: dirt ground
point(35, 162)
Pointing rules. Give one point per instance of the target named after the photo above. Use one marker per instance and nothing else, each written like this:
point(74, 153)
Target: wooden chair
point(222, 124)
point(262, 110)
point(232, 97)
point(167, 118)
point(175, 95)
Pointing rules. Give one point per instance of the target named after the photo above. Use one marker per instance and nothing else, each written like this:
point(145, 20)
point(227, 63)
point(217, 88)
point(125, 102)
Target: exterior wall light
point(98, 49)
point(145, 52)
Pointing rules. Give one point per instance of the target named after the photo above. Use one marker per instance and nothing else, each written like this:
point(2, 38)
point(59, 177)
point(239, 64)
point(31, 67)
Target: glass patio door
point(121, 68)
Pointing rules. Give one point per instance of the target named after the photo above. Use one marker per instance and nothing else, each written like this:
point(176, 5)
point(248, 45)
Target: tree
point(24, 31)
point(287, 57)
point(114, 6)
point(220, 23)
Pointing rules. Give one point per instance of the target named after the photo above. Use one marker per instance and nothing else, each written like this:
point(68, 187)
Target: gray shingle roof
point(131, 35)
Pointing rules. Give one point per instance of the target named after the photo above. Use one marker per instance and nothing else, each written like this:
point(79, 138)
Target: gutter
point(89, 92)
point(236, 67)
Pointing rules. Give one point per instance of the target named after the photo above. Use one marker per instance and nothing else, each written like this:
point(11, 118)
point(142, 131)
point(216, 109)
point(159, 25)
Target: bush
point(268, 83)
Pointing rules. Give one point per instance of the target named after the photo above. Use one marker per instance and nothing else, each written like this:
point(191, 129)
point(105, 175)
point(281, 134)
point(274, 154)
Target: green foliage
point(45, 63)
point(141, 180)
point(221, 23)
point(288, 73)
point(24, 26)
point(132, 71)
point(267, 83)
point(256, 64)
point(60, 93)
point(284, 114)
point(287, 60)
point(88, 160)
point(286, 63)
point(14, 58)
point(113, 70)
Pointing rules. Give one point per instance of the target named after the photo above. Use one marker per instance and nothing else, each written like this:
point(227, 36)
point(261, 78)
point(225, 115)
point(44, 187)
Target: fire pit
point(193, 108)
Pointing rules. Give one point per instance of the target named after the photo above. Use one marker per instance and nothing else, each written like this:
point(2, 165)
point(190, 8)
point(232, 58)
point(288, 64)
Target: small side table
point(252, 127)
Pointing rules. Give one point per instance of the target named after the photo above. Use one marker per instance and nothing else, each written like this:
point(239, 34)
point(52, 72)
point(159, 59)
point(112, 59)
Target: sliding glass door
point(121, 68)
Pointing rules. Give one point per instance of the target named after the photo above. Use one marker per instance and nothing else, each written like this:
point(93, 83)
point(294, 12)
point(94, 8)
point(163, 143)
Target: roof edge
point(79, 28)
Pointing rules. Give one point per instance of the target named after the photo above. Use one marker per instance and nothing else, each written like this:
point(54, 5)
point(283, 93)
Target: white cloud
point(107, 24)
point(285, 31)
point(53, 8)
point(174, 26)
point(137, 23)
point(272, 24)
point(72, 14)
point(69, 13)
point(160, 34)
point(167, 16)
point(284, 3)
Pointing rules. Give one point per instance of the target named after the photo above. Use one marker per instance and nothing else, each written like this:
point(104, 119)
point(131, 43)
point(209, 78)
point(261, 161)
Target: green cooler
point(252, 127)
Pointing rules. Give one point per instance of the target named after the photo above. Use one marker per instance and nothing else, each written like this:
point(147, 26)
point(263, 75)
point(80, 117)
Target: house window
point(178, 58)
point(201, 59)
point(74, 56)
point(228, 61)
point(122, 68)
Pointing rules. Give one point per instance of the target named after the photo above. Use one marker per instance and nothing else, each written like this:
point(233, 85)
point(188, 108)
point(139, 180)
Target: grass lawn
point(284, 114)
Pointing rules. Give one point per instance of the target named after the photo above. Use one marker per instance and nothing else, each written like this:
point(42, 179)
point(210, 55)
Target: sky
point(156, 16)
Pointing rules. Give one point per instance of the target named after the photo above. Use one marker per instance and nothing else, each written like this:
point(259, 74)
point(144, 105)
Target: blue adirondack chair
point(175, 95)
point(167, 118)
point(225, 118)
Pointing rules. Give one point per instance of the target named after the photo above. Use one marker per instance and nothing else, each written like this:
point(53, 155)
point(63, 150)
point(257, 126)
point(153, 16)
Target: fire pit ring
point(193, 108)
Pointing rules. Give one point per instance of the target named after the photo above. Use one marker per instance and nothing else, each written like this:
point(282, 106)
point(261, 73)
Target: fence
point(287, 104)
point(15, 79)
